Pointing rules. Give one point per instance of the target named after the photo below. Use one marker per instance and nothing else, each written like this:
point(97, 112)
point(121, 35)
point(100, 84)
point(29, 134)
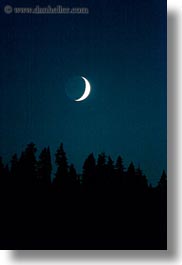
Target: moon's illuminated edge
point(87, 90)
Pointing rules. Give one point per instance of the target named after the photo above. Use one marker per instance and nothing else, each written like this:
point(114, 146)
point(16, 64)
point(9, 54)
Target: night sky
point(120, 47)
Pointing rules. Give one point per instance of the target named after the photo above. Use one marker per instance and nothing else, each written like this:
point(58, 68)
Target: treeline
point(102, 173)
point(108, 206)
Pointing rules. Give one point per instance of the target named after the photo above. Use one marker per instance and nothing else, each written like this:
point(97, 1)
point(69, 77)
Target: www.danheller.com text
point(58, 9)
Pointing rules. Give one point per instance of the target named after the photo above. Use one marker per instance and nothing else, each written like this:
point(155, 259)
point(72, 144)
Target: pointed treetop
point(119, 164)
point(131, 169)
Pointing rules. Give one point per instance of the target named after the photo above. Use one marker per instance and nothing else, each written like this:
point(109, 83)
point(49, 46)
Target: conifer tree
point(44, 167)
point(89, 167)
point(61, 177)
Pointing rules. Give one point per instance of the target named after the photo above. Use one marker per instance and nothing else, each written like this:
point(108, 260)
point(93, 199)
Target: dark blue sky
point(120, 47)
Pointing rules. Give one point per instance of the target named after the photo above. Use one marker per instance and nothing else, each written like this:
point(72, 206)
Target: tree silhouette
point(141, 180)
point(131, 170)
point(89, 171)
point(119, 175)
point(28, 166)
point(101, 171)
point(119, 168)
point(110, 166)
point(44, 167)
point(73, 178)
point(110, 179)
point(130, 177)
point(61, 178)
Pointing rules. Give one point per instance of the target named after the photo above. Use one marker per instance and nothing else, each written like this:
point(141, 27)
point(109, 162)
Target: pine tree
point(130, 180)
point(15, 180)
point(101, 170)
point(61, 177)
point(141, 180)
point(28, 166)
point(74, 182)
point(110, 173)
point(110, 164)
point(131, 170)
point(89, 167)
point(101, 162)
point(119, 168)
point(44, 167)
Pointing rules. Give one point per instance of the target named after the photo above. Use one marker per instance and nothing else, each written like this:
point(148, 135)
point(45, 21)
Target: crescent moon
point(87, 90)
